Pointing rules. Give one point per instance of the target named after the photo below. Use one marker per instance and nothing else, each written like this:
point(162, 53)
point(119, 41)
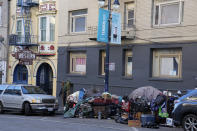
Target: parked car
point(26, 98)
point(185, 111)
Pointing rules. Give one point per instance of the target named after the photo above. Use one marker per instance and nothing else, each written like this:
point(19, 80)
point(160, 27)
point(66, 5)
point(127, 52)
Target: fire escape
point(24, 33)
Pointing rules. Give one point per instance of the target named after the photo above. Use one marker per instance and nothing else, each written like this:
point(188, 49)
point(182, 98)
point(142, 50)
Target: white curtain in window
point(80, 65)
point(170, 13)
point(167, 67)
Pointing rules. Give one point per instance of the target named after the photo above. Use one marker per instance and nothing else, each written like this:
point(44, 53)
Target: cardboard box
point(134, 123)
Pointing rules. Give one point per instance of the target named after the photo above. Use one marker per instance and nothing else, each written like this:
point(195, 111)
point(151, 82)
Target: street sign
point(116, 28)
point(103, 24)
point(112, 66)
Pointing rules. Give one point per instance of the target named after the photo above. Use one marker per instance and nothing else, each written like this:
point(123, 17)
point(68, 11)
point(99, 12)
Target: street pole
point(107, 50)
point(115, 5)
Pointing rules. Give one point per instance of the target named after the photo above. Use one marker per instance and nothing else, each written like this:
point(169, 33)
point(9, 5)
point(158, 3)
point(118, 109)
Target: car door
point(7, 97)
point(17, 97)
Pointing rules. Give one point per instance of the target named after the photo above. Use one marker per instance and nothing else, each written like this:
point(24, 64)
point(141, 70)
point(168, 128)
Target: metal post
point(107, 50)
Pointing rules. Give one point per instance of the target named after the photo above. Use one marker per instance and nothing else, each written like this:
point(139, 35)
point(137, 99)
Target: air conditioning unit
point(128, 33)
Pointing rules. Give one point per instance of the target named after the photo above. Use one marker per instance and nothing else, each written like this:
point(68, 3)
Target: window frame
point(48, 28)
point(75, 55)
point(160, 55)
point(21, 31)
point(160, 4)
point(102, 62)
point(1, 19)
point(126, 19)
point(73, 18)
point(127, 53)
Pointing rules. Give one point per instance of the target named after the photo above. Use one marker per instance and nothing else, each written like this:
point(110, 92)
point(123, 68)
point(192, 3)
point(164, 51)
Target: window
point(77, 62)
point(167, 63)
point(9, 90)
point(102, 62)
point(47, 28)
point(128, 63)
point(19, 30)
point(168, 13)
point(17, 90)
point(129, 14)
point(43, 28)
point(78, 21)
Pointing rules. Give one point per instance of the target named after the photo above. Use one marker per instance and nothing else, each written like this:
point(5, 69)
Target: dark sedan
point(185, 111)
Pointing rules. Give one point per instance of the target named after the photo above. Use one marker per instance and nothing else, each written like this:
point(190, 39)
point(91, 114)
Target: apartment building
point(158, 47)
point(32, 40)
point(4, 8)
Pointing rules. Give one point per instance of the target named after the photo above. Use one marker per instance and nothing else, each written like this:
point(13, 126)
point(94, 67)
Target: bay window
point(47, 28)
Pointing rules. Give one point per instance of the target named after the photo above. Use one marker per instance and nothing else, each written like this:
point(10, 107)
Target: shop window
point(167, 63)
point(77, 62)
point(168, 13)
point(78, 21)
point(102, 62)
point(47, 28)
point(129, 14)
point(128, 63)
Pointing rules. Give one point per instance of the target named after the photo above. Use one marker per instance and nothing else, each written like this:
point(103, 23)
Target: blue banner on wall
point(103, 24)
point(116, 28)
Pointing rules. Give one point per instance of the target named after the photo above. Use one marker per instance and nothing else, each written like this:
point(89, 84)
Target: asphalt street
point(18, 122)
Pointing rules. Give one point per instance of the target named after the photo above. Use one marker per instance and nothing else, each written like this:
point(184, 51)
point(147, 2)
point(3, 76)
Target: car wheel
point(1, 108)
point(27, 109)
point(52, 113)
point(190, 122)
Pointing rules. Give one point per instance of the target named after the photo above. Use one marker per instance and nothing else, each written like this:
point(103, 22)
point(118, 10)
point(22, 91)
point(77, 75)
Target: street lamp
point(116, 5)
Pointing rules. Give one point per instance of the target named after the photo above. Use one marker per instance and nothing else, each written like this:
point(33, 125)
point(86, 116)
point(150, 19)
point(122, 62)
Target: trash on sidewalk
point(144, 107)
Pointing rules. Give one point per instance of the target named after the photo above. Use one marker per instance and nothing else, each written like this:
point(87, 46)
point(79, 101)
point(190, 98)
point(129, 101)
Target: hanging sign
point(103, 24)
point(47, 49)
point(116, 28)
point(25, 56)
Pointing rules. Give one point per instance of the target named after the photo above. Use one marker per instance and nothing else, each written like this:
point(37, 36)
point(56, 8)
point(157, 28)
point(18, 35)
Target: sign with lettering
point(25, 56)
point(103, 24)
point(47, 7)
point(47, 49)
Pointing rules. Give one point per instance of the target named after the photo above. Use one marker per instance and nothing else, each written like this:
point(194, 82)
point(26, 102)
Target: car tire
point(27, 109)
point(189, 122)
point(52, 113)
point(1, 108)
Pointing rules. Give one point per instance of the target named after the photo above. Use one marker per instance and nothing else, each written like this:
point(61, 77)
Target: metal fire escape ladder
point(26, 38)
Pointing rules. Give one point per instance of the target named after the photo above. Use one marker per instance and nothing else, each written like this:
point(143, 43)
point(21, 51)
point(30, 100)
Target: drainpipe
point(7, 50)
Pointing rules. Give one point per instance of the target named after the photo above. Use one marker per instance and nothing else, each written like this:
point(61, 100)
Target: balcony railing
point(27, 3)
point(128, 32)
point(25, 40)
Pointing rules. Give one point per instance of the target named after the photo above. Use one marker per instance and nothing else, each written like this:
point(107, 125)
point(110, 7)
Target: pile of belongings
point(85, 104)
point(163, 105)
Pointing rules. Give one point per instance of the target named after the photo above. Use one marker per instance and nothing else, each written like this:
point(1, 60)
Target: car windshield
point(32, 90)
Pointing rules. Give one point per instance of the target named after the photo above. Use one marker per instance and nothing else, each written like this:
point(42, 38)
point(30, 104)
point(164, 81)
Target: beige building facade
point(158, 41)
point(33, 48)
